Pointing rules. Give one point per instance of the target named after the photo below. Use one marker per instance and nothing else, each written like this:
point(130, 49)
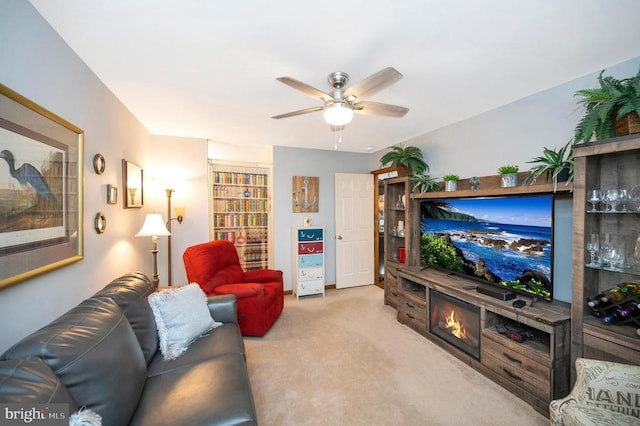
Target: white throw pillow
point(85, 417)
point(182, 315)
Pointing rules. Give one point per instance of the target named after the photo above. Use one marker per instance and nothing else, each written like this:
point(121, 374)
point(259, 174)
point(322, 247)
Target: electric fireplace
point(455, 321)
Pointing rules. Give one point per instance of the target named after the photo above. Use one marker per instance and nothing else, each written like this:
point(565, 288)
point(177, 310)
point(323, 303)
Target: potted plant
point(508, 176)
point(450, 182)
point(424, 183)
point(410, 157)
point(556, 165)
point(610, 110)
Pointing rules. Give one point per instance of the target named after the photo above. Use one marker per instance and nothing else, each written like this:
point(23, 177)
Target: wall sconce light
point(179, 214)
point(154, 227)
point(180, 211)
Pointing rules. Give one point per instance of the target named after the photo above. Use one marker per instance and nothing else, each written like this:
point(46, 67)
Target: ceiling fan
point(340, 105)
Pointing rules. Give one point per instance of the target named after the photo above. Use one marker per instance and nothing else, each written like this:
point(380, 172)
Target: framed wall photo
point(305, 194)
point(41, 192)
point(132, 180)
point(112, 194)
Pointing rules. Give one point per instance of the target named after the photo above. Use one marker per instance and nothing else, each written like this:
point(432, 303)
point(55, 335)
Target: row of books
point(239, 178)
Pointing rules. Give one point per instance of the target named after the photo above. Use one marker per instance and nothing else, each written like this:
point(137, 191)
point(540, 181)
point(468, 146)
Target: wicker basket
point(628, 124)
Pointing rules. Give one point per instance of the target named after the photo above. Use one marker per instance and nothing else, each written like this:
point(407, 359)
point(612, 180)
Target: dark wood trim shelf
point(490, 186)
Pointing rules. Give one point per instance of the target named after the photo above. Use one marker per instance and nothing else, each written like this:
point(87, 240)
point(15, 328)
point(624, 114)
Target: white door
point(354, 229)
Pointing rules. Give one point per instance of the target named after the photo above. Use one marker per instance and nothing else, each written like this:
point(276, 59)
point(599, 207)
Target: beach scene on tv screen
point(505, 241)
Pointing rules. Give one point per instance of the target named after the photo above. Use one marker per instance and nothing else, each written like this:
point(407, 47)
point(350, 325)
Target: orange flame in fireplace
point(457, 329)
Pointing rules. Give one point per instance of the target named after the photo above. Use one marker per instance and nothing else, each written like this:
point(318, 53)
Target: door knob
point(339, 237)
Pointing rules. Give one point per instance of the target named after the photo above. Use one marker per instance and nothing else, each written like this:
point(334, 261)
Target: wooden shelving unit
point(538, 370)
point(240, 211)
point(614, 163)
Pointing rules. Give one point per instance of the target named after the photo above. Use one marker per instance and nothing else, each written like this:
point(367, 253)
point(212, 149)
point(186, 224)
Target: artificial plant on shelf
point(508, 176)
point(556, 165)
point(507, 170)
point(424, 183)
point(409, 157)
point(607, 104)
point(450, 182)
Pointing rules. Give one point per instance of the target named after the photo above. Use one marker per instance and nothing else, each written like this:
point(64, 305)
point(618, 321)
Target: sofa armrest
point(262, 275)
point(223, 308)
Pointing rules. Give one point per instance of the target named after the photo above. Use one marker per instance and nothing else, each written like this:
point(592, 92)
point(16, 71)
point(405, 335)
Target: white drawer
point(310, 274)
point(310, 287)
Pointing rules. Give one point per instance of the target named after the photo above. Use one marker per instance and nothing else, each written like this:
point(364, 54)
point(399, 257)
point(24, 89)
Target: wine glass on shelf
point(610, 198)
point(593, 245)
point(594, 197)
point(623, 198)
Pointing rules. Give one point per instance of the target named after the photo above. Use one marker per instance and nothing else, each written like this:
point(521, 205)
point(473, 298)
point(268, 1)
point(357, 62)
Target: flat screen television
point(502, 241)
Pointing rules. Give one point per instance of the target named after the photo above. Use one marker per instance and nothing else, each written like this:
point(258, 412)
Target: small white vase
point(450, 185)
point(508, 180)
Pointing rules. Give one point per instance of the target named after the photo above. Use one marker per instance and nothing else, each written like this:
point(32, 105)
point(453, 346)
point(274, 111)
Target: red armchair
point(215, 267)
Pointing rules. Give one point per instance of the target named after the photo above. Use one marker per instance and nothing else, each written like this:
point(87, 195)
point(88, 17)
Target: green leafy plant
point(533, 286)
point(552, 163)
point(424, 183)
point(606, 104)
point(434, 251)
point(409, 157)
point(450, 177)
point(508, 169)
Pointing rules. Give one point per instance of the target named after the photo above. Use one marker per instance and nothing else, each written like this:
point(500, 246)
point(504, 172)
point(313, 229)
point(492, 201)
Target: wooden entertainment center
point(537, 369)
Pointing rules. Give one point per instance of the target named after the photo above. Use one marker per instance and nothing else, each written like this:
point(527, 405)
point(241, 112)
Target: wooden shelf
point(490, 186)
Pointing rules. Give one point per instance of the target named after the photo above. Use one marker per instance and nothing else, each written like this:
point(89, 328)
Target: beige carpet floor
point(345, 360)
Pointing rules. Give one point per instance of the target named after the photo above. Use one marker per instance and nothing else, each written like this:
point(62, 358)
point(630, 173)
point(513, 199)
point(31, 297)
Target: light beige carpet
point(345, 360)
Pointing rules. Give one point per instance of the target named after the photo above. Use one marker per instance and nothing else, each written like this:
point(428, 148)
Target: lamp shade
point(153, 226)
point(338, 114)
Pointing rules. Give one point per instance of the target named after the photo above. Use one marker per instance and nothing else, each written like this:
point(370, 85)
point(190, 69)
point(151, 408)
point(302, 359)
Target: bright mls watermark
point(34, 414)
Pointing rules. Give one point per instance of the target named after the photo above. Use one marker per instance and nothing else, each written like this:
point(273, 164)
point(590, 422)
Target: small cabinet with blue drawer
point(308, 261)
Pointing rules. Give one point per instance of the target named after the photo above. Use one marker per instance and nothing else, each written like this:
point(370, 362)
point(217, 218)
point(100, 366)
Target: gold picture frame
point(112, 194)
point(41, 190)
point(132, 183)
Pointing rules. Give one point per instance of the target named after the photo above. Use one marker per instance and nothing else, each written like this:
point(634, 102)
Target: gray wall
point(514, 134)
point(289, 162)
point(40, 66)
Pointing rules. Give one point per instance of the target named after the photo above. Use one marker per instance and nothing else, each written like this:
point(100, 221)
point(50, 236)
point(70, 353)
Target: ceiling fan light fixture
point(338, 114)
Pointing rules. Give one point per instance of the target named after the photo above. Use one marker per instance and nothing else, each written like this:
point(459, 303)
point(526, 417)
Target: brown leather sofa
point(103, 355)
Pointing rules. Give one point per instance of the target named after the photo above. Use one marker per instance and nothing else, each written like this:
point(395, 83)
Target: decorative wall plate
point(100, 223)
point(99, 164)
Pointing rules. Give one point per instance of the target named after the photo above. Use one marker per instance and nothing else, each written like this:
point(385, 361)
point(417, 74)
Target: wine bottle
point(633, 308)
point(616, 316)
point(632, 287)
point(599, 300)
point(597, 313)
point(617, 294)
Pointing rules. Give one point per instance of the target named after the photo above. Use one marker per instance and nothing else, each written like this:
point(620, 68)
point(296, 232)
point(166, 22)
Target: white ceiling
point(208, 68)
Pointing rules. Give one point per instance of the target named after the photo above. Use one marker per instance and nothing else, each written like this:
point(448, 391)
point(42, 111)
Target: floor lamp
point(154, 227)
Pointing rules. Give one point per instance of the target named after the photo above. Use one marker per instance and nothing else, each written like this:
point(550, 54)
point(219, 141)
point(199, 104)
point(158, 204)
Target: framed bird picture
point(41, 191)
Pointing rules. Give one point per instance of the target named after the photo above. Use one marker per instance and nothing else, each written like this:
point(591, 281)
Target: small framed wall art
point(112, 194)
point(305, 194)
point(132, 180)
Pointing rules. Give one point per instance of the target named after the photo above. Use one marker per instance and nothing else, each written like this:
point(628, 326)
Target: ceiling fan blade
point(305, 88)
point(336, 128)
point(299, 112)
point(376, 108)
point(373, 83)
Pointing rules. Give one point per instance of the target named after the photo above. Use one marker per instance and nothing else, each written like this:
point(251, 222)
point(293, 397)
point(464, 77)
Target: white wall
point(514, 134)
point(180, 164)
point(40, 66)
